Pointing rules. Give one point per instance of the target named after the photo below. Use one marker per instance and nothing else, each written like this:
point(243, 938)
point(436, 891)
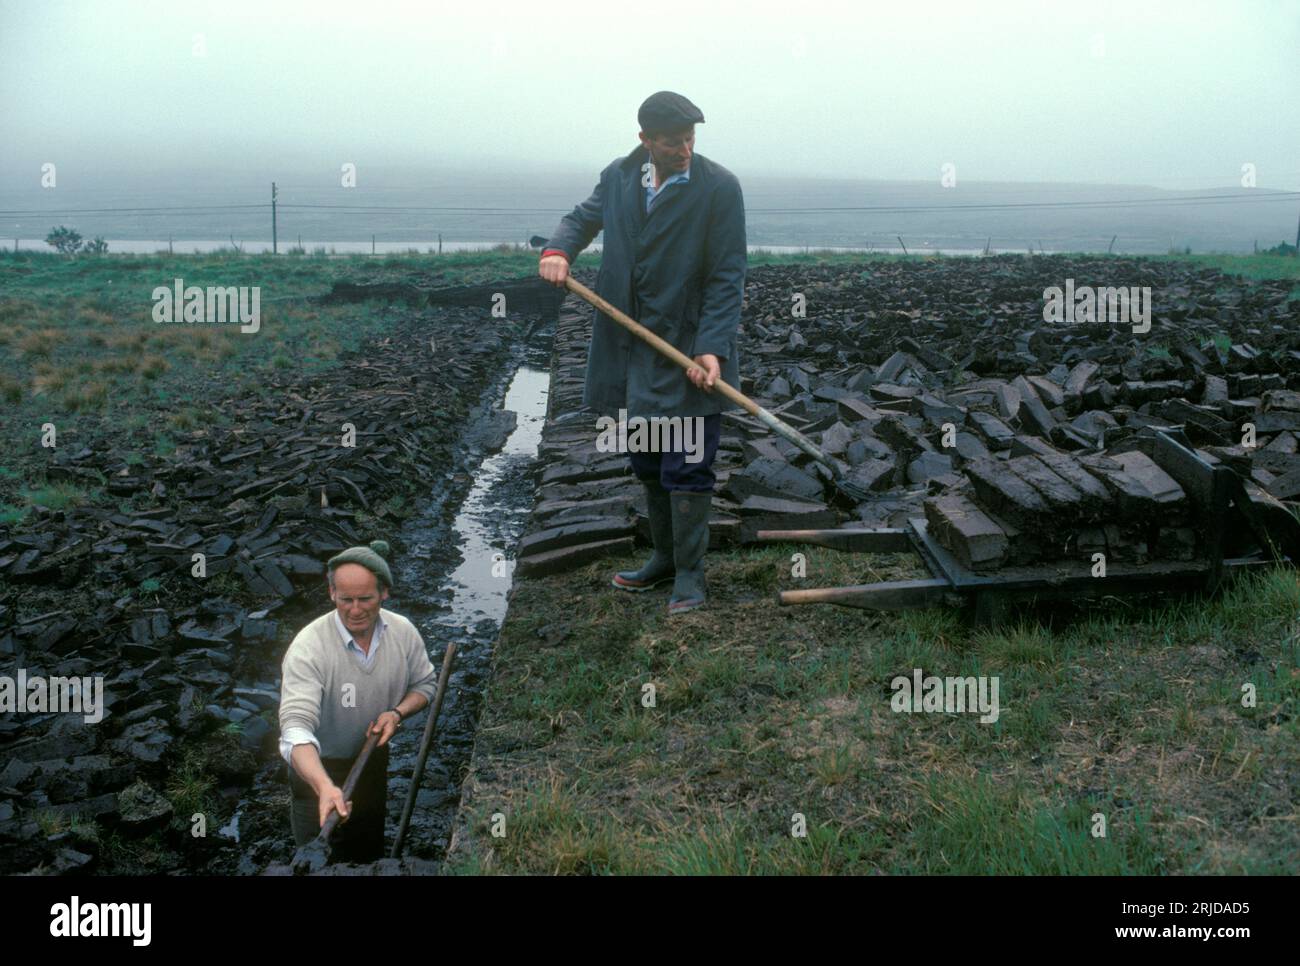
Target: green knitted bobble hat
point(371, 557)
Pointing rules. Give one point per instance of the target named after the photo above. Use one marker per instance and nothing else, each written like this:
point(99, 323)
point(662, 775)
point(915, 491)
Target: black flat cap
point(666, 111)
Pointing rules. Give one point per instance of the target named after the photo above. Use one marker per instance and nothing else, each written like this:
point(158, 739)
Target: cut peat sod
point(232, 446)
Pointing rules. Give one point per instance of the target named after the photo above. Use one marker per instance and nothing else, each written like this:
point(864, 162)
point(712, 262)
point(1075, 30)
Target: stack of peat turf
point(1051, 506)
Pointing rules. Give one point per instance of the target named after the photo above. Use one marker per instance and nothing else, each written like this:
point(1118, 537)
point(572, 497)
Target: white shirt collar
point(380, 626)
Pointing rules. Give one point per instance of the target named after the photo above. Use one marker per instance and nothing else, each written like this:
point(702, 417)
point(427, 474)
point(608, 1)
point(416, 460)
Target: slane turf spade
point(839, 479)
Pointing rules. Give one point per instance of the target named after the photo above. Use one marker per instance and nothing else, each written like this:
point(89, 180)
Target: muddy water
point(490, 520)
point(452, 582)
point(472, 576)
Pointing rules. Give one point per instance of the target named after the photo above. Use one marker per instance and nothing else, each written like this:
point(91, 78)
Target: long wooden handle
point(666, 348)
point(350, 785)
point(777, 426)
point(889, 595)
point(885, 540)
point(430, 729)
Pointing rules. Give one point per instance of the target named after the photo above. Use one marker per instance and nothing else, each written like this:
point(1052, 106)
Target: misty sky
point(1177, 94)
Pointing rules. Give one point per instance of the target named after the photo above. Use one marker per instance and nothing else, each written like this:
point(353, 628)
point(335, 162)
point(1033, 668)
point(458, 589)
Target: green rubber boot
point(659, 568)
point(690, 541)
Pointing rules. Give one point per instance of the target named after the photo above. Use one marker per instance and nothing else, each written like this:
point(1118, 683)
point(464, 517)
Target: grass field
point(763, 714)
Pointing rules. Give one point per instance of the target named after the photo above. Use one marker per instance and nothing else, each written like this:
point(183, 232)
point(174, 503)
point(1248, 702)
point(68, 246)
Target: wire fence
point(473, 225)
point(1196, 200)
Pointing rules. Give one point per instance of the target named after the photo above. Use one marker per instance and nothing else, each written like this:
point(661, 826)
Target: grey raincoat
point(679, 271)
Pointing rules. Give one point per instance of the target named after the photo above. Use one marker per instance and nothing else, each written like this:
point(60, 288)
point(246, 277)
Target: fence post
point(274, 240)
point(1112, 244)
point(439, 243)
point(900, 241)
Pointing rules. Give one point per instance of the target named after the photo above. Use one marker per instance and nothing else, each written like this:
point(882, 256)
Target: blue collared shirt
point(652, 193)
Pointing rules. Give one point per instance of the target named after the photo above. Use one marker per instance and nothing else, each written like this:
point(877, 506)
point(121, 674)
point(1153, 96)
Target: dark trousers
point(361, 837)
point(671, 469)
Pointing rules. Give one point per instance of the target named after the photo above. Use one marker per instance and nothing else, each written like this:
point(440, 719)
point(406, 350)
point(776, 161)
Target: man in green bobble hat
point(356, 670)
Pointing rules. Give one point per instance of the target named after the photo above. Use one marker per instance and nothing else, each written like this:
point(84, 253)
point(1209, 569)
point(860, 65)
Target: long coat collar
point(631, 168)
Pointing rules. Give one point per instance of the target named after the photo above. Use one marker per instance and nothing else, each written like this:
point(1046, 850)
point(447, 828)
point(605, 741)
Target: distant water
point(476, 210)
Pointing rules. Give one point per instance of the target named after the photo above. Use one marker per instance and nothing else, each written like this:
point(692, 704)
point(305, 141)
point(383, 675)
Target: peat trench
point(452, 582)
point(194, 668)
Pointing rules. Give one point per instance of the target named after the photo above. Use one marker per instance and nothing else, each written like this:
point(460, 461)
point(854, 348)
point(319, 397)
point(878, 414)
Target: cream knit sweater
point(325, 689)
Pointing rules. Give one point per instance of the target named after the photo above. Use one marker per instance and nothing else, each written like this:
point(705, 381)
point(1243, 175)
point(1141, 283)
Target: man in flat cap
point(356, 670)
point(674, 259)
